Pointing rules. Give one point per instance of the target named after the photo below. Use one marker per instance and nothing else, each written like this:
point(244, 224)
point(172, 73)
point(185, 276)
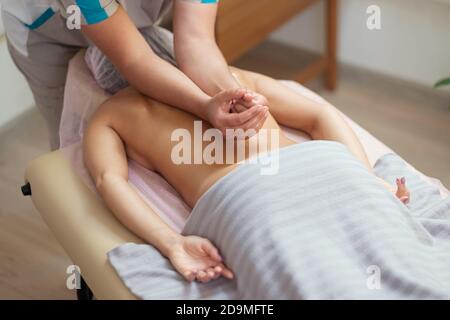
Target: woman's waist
point(203, 180)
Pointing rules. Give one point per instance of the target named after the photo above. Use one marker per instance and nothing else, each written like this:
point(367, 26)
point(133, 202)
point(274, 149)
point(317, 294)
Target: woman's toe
point(405, 199)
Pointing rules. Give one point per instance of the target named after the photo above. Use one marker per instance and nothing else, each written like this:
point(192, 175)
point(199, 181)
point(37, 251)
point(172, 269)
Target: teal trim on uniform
point(210, 1)
point(43, 18)
point(92, 11)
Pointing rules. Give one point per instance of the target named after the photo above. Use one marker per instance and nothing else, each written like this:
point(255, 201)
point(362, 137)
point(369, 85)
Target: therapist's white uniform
point(41, 45)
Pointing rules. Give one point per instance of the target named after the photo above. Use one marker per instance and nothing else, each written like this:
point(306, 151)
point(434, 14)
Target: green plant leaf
point(443, 82)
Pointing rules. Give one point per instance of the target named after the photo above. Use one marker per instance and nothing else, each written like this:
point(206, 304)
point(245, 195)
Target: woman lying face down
point(130, 125)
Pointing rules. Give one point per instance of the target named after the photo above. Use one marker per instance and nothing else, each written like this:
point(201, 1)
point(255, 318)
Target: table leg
point(331, 44)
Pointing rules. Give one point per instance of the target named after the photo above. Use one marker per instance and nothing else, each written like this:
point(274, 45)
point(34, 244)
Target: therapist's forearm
point(201, 60)
point(119, 39)
point(158, 79)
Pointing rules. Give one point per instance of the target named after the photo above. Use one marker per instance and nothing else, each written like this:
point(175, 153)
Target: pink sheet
point(83, 96)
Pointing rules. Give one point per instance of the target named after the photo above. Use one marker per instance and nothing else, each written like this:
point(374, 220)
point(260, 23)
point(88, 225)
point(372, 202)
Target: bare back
point(146, 128)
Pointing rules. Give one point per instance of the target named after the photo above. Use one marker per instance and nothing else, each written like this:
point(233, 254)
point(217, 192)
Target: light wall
point(1, 24)
point(15, 96)
point(413, 44)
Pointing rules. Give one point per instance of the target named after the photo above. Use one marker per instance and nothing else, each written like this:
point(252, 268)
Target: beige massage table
point(85, 228)
point(82, 224)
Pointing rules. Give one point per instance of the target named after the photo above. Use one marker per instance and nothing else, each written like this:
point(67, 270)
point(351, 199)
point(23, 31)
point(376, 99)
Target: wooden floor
point(412, 120)
point(32, 263)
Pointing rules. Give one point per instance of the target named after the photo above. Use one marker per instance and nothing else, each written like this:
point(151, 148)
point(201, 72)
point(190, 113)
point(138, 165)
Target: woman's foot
point(402, 191)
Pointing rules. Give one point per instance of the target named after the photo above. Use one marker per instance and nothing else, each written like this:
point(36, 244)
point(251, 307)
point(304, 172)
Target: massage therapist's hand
point(253, 99)
point(196, 258)
point(219, 111)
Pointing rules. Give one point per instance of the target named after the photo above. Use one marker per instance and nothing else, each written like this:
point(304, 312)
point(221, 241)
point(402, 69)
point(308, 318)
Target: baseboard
point(395, 81)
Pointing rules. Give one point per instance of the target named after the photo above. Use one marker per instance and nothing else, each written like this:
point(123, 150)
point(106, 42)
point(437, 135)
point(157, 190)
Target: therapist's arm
point(196, 50)
point(118, 38)
point(199, 57)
